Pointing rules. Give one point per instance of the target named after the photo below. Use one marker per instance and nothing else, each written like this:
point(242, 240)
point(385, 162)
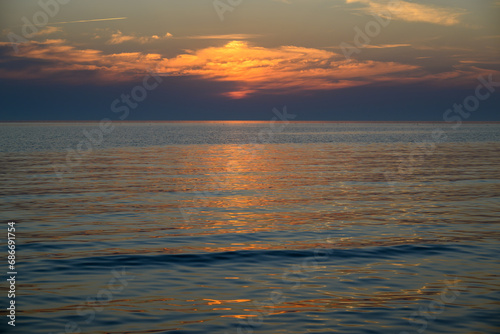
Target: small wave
point(252, 257)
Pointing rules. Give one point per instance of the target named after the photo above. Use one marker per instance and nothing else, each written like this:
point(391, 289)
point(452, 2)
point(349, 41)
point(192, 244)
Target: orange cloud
point(67, 63)
point(287, 68)
point(250, 69)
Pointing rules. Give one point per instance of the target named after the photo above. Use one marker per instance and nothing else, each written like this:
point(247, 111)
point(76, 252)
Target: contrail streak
point(94, 20)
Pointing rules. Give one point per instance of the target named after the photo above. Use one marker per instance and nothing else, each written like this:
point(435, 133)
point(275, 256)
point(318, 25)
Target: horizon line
point(234, 121)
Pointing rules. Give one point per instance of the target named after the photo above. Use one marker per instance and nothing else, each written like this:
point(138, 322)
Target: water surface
point(240, 227)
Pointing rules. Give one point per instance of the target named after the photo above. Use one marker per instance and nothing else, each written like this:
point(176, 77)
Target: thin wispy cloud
point(118, 37)
point(48, 31)
point(386, 46)
point(490, 37)
point(411, 12)
point(379, 46)
point(222, 37)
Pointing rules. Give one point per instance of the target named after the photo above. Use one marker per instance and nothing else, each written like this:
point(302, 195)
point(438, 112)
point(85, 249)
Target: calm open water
point(240, 227)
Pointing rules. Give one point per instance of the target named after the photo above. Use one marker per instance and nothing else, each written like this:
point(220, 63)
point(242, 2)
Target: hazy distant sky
point(238, 59)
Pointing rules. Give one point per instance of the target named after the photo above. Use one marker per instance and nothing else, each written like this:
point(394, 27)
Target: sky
point(344, 60)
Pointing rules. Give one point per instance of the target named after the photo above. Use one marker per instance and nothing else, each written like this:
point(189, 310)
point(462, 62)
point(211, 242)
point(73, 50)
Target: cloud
point(250, 69)
point(489, 37)
point(228, 37)
point(411, 12)
point(386, 46)
point(118, 38)
point(480, 61)
point(287, 68)
point(48, 31)
point(55, 60)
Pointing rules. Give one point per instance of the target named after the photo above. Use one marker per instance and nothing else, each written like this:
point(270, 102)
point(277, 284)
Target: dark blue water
point(235, 228)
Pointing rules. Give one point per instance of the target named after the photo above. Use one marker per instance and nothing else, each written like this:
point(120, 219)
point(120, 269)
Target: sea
point(250, 227)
